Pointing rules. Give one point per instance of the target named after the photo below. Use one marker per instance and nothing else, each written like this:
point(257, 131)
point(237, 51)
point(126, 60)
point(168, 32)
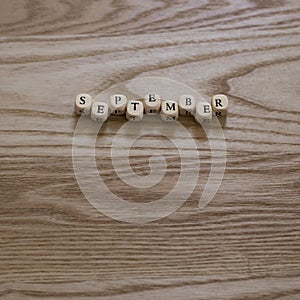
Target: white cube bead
point(169, 110)
point(118, 104)
point(99, 112)
point(135, 110)
point(152, 103)
point(203, 112)
point(83, 104)
point(219, 105)
point(187, 105)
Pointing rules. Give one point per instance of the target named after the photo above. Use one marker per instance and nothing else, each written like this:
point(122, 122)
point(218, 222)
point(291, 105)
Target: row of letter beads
point(151, 104)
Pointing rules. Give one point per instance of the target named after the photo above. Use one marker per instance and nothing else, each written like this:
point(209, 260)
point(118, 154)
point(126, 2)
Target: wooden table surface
point(244, 244)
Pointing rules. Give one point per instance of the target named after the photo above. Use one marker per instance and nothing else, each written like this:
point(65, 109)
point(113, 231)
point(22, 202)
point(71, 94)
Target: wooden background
point(244, 245)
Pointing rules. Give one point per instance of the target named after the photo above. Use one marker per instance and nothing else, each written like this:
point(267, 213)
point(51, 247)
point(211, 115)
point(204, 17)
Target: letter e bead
point(152, 103)
point(99, 112)
point(203, 112)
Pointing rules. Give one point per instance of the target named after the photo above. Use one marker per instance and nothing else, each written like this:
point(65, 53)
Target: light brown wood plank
point(245, 244)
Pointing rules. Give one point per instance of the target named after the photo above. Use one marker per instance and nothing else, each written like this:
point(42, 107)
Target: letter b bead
point(187, 105)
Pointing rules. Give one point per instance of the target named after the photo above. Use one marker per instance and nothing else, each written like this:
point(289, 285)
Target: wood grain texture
point(244, 245)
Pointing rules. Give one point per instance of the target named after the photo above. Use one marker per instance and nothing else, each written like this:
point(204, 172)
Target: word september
point(151, 104)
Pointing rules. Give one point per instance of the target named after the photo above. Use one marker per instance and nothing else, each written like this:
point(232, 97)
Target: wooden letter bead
point(203, 112)
point(135, 110)
point(99, 112)
point(187, 105)
point(83, 104)
point(219, 105)
point(118, 104)
point(152, 104)
point(169, 110)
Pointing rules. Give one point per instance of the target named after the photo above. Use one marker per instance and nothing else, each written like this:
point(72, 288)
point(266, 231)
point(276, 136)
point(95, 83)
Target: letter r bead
point(219, 105)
